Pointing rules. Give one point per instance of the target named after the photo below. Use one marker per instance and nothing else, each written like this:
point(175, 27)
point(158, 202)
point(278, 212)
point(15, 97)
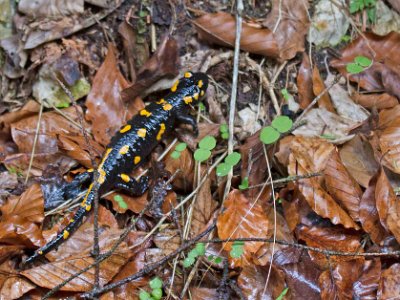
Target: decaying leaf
point(318, 87)
point(50, 8)
point(389, 285)
point(379, 101)
point(305, 82)
point(366, 285)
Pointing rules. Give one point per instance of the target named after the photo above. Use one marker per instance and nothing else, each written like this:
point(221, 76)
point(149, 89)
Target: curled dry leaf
point(105, 108)
point(318, 88)
point(379, 101)
point(387, 204)
point(384, 51)
point(242, 219)
point(389, 138)
point(389, 285)
point(357, 156)
point(311, 156)
point(331, 238)
point(366, 285)
point(342, 186)
point(369, 216)
point(219, 28)
point(305, 82)
point(252, 281)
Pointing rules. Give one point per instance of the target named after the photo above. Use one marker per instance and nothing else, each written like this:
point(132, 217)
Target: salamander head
point(192, 86)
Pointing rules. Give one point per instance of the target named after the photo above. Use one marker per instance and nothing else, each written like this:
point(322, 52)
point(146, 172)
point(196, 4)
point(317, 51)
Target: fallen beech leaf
point(357, 156)
point(168, 241)
point(369, 216)
point(219, 28)
point(242, 219)
point(366, 285)
point(14, 287)
point(384, 73)
point(331, 238)
point(253, 278)
point(164, 62)
point(185, 166)
point(105, 108)
point(344, 275)
point(305, 82)
point(199, 293)
point(19, 231)
point(49, 8)
point(387, 204)
point(30, 205)
point(318, 88)
point(389, 285)
point(389, 138)
point(342, 186)
point(311, 156)
point(379, 101)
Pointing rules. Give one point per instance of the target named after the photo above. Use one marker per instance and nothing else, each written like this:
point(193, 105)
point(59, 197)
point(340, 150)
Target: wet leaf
point(366, 285)
point(219, 28)
point(380, 101)
point(318, 88)
point(18, 231)
point(199, 293)
point(389, 285)
point(305, 83)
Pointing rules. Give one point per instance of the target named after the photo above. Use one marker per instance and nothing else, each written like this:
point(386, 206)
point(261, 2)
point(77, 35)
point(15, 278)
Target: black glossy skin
point(130, 143)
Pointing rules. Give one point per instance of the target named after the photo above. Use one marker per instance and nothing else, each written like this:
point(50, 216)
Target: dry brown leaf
point(311, 156)
point(389, 285)
point(318, 87)
point(185, 166)
point(369, 216)
point(331, 238)
point(378, 101)
point(50, 8)
point(242, 219)
point(105, 108)
point(289, 20)
point(305, 82)
point(199, 293)
point(387, 204)
point(366, 285)
point(357, 156)
point(219, 28)
point(135, 204)
point(342, 186)
point(168, 240)
point(384, 73)
point(14, 287)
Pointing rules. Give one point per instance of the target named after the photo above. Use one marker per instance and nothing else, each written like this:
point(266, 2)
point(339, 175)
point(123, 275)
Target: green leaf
point(282, 294)
point(175, 155)
point(225, 135)
point(123, 204)
point(201, 155)
point(143, 13)
point(201, 106)
point(282, 124)
point(218, 260)
point(223, 169)
point(355, 6)
point(346, 38)
point(144, 295)
point(236, 251)
point(188, 262)
point(193, 253)
point(208, 143)
point(371, 13)
point(232, 159)
point(285, 93)
point(223, 128)
point(180, 147)
point(244, 184)
point(363, 61)
point(354, 68)
point(156, 283)
point(200, 249)
point(269, 135)
point(157, 293)
point(328, 136)
point(118, 198)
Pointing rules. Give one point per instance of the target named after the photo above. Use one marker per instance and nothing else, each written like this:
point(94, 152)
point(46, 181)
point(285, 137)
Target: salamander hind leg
point(130, 185)
point(188, 119)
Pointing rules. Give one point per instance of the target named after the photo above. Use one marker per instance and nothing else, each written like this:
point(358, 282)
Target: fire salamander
point(132, 144)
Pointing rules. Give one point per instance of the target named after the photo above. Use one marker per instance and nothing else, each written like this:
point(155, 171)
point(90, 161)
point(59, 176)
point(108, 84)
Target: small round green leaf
point(200, 248)
point(236, 252)
point(223, 169)
point(180, 147)
point(269, 135)
point(175, 155)
point(144, 295)
point(244, 184)
point(201, 155)
point(118, 198)
point(354, 68)
point(156, 283)
point(232, 159)
point(223, 128)
point(282, 124)
point(208, 143)
point(188, 262)
point(218, 260)
point(193, 253)
point(156, 293)
point(285, 94)
point(363, 61)
point(225, 135)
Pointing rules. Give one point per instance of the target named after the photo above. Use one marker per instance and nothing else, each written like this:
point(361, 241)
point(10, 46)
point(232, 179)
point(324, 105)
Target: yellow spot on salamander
point(90, 170)
point(102, 176)
point(188, 75)
point(83, 204)
point(187, 99)
point(137, 160)
point(196, 96)
point(125, 128)
point(142, 132)
point(161, 101)
point(40, 252)
point(167, 106)
point(125, 177)
point(145, 112)
point(65, 234)
point(88, 207)
point(71, 221)
point(200, 83)
point(202, 93)
point(124, 150)
point(161, 131)
point(175, 86)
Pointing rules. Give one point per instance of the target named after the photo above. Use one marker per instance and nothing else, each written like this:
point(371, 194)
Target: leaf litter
point(333, 204)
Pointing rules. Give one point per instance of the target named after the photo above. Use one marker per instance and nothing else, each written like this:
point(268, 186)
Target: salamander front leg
point(188, 119)
point(130, 185)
